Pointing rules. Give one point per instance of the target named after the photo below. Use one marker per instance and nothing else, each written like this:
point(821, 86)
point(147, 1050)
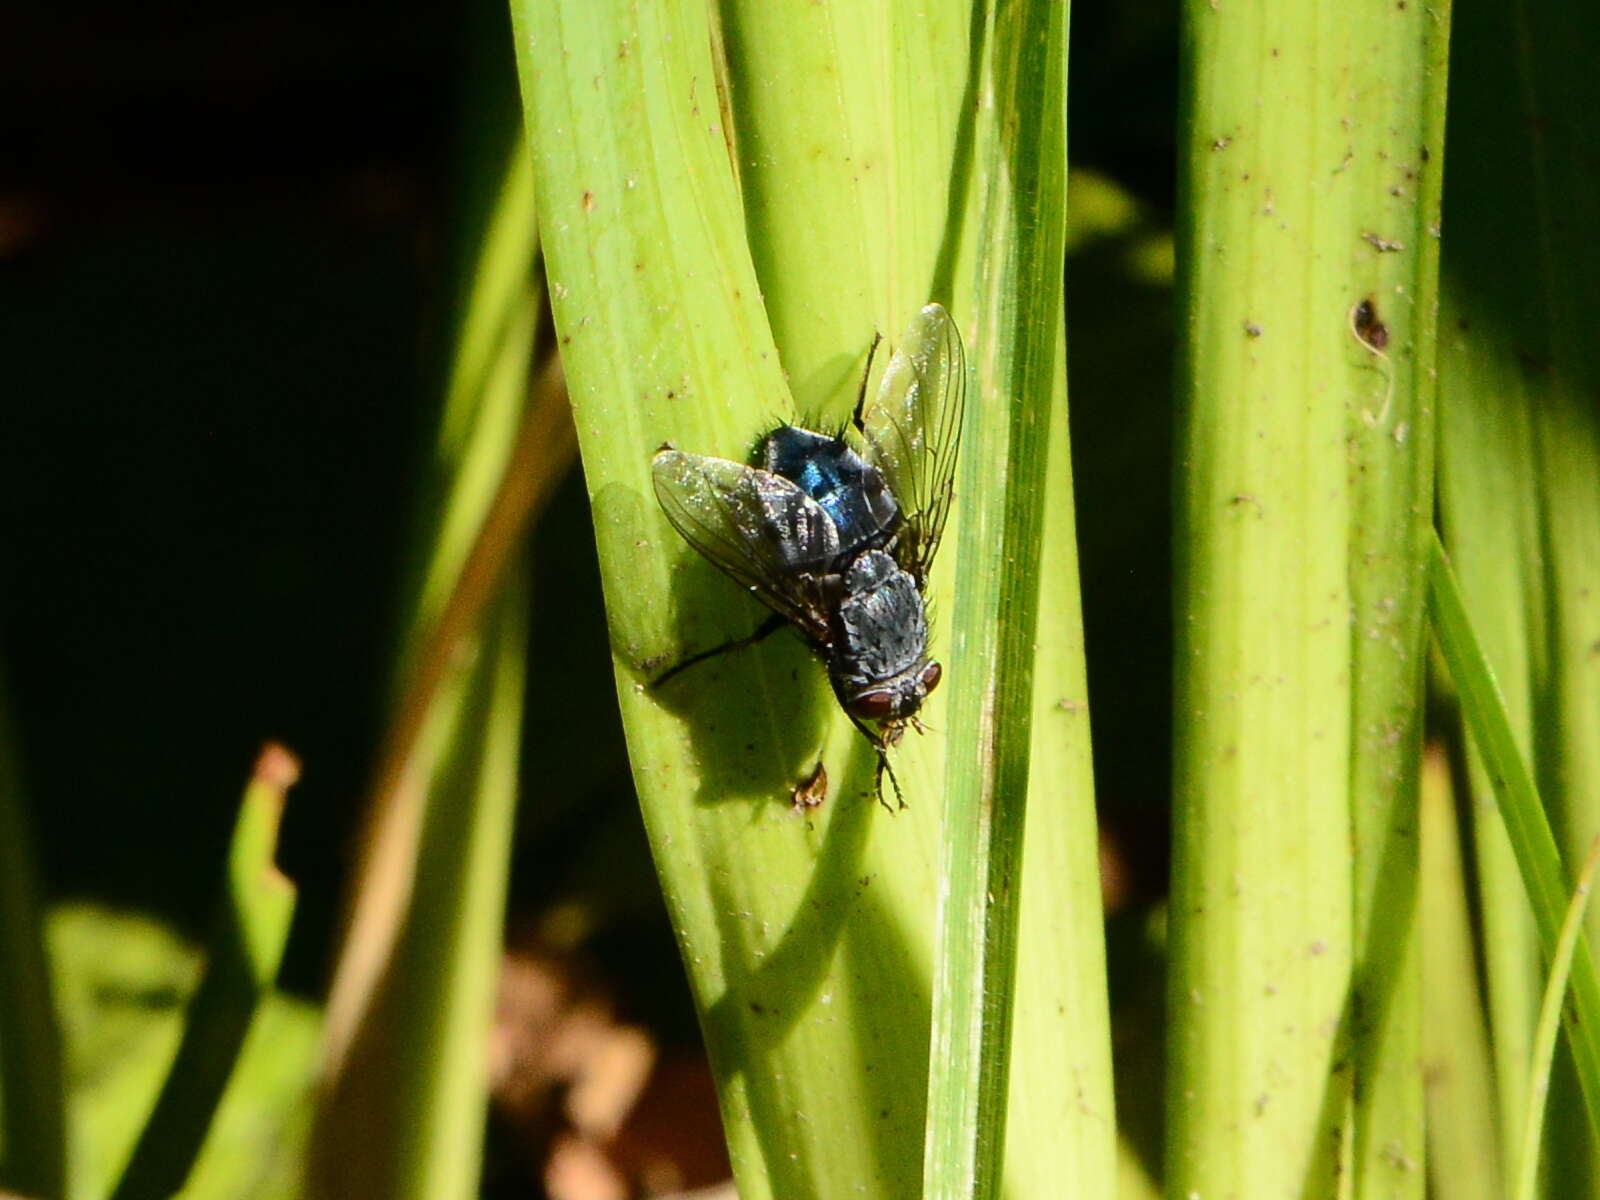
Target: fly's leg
point(866, 374)
point(885, 769)
point(880, 747)
point(766, 629)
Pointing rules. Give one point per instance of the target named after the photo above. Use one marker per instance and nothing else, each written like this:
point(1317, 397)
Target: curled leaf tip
point(276, 766)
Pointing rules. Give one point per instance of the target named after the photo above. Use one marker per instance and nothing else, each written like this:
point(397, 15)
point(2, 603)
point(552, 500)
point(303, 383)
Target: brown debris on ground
point(603, 1114)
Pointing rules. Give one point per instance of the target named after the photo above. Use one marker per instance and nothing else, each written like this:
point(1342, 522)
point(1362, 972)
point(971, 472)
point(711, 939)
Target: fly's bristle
point(816, 422)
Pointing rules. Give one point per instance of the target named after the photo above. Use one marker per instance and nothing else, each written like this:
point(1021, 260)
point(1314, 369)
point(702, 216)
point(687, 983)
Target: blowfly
point(836, 533)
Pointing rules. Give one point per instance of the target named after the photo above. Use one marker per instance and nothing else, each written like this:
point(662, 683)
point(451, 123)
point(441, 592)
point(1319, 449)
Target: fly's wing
point(757, 527)
point(913, 429)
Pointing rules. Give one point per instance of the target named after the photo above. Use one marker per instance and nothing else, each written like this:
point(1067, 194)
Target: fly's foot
point(885, 769)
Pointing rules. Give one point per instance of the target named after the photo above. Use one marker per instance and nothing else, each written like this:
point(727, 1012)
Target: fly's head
point(894, 702)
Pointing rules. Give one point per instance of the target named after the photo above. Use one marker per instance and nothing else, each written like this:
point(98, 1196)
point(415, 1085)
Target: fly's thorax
point(878, 659)
point(848, 488)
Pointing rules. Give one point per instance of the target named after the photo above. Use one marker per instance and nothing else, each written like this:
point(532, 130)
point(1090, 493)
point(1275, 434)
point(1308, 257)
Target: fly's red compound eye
point(931, 674)
point(874, 706)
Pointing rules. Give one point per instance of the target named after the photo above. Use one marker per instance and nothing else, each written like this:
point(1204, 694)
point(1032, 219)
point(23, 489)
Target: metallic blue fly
point(836, 534)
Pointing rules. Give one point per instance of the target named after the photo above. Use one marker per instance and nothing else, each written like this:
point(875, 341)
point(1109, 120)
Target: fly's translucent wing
point(913, 430)
point(757, 527)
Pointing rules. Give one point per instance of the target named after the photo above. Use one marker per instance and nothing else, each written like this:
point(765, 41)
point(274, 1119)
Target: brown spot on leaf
point(812, 790)
point(1368, 325)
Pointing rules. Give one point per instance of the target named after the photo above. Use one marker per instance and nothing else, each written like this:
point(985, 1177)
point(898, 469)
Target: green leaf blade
point(1528, 829)
point(1309, 206)
point(1006, 476)
point(251, 930)
point(803, 935)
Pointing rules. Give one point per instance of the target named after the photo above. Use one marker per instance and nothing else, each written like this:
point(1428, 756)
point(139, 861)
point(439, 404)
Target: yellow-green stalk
point(1310, 159)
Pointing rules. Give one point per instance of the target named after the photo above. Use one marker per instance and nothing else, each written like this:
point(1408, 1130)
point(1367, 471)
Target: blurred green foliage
point(122, 984)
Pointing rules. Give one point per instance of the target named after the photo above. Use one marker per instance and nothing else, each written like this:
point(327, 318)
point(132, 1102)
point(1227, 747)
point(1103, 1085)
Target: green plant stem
point(1463, 1131)
point(1544, 1040)
point(251, 928)
point(1260, 923)
point(1397, 155)
point(846, 196)
point(1056, 1133)
point(1538, 858)
point(1311, 151)
point(1023, 235)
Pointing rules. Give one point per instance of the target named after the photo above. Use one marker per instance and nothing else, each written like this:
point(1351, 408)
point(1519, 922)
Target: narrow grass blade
point(405, 1077)
point(1463, 1130)
point(1489, 512)
point(1535, 846)
point(854, 210)
point(1544, 1040)
point(1488, 509)
point(1397, 163)
point(124, 985)
point(1061, 1027)
point(251, 928)
point(33, 1151)
point(406, 1116)
point(1022, 240)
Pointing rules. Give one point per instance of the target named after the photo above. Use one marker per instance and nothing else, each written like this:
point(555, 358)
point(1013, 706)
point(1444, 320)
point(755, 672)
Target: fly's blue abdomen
point(843, 484)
